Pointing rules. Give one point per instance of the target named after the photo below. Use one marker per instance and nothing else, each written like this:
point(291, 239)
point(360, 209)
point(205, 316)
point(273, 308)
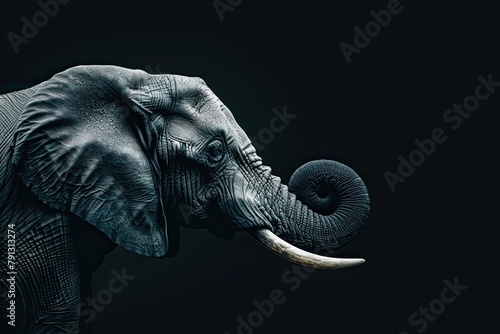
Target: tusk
point(297, 255)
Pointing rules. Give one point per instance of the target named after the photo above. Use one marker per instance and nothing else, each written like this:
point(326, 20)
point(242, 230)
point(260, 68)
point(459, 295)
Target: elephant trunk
point(325, 207)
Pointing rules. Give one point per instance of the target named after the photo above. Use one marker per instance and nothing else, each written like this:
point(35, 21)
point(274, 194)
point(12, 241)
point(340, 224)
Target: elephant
point(100, 155)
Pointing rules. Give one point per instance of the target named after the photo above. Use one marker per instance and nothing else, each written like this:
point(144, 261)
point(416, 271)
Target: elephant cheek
point(244, 210)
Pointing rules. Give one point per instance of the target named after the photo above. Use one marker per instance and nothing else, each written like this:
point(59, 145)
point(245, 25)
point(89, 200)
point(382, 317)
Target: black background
point(437, 225)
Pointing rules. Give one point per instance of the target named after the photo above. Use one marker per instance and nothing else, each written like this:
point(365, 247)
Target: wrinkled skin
point(102, 155)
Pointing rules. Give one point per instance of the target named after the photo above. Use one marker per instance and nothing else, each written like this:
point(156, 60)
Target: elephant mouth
point(294, 254)
point(335, 206)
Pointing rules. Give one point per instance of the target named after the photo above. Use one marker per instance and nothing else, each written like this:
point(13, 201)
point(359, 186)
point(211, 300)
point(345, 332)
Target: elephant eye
point(215, 151)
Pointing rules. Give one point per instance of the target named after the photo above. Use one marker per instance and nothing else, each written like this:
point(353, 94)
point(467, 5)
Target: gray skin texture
point(101, 155)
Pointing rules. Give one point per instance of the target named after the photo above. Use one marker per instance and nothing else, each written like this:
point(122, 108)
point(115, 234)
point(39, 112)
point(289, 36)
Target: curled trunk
point(325, 209)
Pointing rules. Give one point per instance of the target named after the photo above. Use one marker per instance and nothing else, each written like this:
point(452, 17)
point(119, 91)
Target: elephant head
point(121, 149)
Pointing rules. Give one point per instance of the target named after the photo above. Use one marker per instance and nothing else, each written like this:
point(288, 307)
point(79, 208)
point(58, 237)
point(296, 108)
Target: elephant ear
point(84, 144)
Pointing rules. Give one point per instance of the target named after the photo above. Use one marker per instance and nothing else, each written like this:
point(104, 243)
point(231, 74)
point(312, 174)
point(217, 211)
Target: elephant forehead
point(236, 132)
